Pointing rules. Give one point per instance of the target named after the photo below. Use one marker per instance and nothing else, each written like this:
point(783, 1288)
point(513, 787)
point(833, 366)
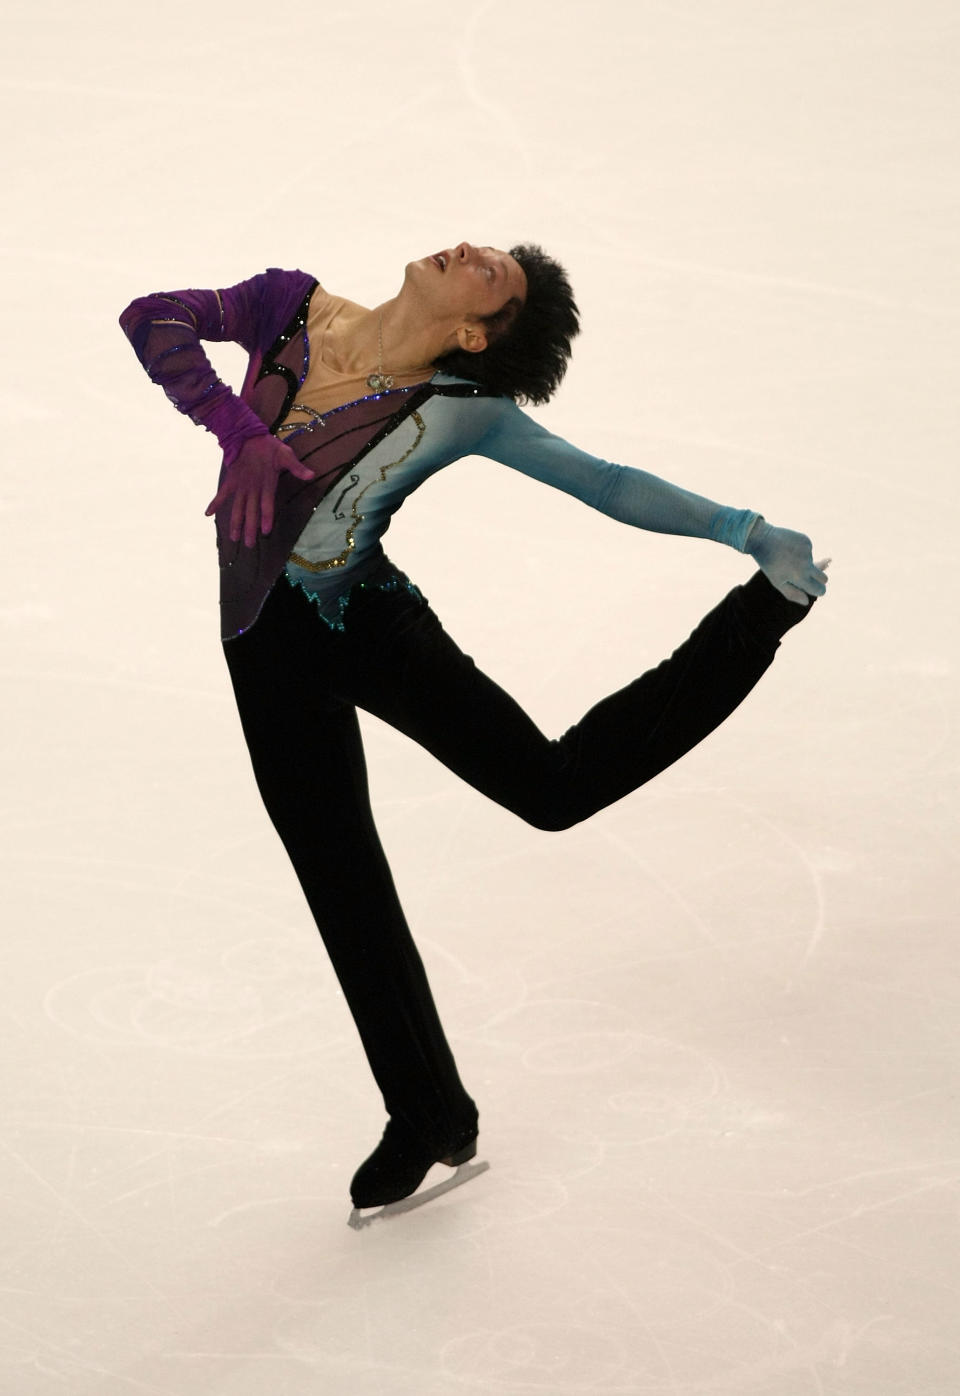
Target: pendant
point(380, 382)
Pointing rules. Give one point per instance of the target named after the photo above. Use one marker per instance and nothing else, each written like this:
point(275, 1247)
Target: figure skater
point(343, 412)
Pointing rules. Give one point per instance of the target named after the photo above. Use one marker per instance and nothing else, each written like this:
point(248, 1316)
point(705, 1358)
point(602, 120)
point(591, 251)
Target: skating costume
point(317, 622)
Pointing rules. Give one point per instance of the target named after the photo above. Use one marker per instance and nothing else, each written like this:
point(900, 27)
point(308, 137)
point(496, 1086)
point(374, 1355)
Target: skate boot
point(399, 1164)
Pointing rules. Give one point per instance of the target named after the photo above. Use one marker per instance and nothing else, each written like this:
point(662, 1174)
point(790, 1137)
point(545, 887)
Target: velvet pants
point(298, 684)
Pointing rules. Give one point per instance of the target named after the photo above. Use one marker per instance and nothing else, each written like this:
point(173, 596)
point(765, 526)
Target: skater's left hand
point(786, 559)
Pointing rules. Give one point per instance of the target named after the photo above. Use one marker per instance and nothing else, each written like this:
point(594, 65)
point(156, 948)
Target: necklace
point(382, 382)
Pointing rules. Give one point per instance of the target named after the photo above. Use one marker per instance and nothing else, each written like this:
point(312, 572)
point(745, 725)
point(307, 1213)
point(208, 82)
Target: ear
point(472, 338)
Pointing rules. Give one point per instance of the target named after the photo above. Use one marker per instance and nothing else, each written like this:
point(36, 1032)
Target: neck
point(411, 336)
point(408, 343)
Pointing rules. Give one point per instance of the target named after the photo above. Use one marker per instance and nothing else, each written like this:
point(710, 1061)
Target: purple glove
point(251, 482)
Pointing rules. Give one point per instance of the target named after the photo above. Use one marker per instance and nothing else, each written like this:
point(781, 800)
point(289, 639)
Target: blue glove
point(786, 560)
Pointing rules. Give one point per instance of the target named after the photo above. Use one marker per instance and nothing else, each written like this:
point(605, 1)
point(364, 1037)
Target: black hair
point(528, 342)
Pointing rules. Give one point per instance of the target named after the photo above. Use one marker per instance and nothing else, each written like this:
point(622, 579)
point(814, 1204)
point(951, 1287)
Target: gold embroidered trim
point(177, 301)
point(343, 558)
point(316, 419)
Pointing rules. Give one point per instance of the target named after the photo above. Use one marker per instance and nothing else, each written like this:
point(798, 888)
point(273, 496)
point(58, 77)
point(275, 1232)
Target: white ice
point(714, 1032)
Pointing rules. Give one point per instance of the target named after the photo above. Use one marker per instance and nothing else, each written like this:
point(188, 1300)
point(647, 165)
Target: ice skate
point(389, 1178)
point(361, 1217)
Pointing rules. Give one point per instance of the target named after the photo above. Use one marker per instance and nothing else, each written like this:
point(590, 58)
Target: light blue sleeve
point(622, 492)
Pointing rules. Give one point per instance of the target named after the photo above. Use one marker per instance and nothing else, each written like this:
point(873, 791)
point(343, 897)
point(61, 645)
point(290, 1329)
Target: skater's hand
point(786, 559)
point(251, 482)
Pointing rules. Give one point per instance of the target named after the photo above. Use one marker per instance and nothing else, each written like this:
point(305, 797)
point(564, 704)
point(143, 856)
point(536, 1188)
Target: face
point(466, 283)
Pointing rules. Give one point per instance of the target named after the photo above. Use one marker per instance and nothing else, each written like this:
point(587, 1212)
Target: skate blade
point(359, 1219)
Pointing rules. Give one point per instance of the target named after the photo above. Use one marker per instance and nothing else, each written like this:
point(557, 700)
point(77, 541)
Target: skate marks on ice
point(360, 1218)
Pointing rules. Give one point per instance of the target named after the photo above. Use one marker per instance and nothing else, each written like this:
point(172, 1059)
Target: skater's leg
point(422, 684)
point(308, 760)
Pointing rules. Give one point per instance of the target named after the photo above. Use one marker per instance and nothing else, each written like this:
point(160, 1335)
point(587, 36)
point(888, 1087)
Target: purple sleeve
point(166, 328)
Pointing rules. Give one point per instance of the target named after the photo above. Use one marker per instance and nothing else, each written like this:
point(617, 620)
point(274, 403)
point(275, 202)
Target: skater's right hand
point(251, 482)
point(786, 559)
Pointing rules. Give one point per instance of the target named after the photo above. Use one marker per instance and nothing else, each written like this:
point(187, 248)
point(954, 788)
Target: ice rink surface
point(714, 1032)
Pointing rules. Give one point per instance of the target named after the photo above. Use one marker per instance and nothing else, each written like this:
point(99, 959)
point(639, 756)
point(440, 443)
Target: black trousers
point(298, 684)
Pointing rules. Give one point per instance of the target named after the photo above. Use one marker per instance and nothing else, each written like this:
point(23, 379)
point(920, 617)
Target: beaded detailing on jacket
point(394, 582)
point(356, 518)
point(293, 377)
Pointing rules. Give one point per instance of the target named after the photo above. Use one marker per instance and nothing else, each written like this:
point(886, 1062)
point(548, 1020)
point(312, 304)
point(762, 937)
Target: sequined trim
point(389, 584)
point(270, 365)
point(165, 296)
point(319, 419)
point(306, 355)
point(173, 349)
point(343, 558)
point(194, 411)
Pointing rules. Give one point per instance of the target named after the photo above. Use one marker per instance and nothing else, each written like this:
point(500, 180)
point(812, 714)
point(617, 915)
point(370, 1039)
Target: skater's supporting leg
point(309, 765)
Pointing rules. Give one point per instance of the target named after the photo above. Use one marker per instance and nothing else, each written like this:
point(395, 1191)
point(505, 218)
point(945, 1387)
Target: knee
point(552, 816)
point(554, 803)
